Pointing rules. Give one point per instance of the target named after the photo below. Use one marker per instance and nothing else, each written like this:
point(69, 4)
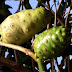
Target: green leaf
point(61, 9)
point(2, 1)
point(69, 2)
point(4, 12)
point(1, 18)
point(27, 4)
point(7, 6)
point(70, 19)
point(40, 2)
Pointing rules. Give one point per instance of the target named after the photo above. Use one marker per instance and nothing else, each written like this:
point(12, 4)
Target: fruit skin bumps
point(20, 27)
point(51, 42)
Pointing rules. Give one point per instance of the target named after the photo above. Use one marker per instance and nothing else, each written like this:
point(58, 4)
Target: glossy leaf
point(27, 4)
point(69, 2)
point(40, 3)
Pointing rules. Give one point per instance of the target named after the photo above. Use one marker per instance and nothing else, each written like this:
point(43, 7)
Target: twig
point(15, 53)
point(48, 26)
point(58, 66)
point(71, 34)
point(3, 53)
point(19, 7)
point(64, 9)
point(64, 14)
point(8, 56)
point(65, 63)
point(53, 14)
point(48, 6)
point(22, 4)
point(53, 65)
point(22, 49)
point(33, 66)
point(67, 16)
point(33, 63)
point(13, 65)
point(59, 5)
point(62, 63)
point(32, 43)
point(68, 63)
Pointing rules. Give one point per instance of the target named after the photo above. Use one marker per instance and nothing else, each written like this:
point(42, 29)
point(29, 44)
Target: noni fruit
point(51, 42)
point(20, 27)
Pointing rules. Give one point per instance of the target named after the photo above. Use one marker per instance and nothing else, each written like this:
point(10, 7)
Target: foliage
point(4, 12)
point(27, 5)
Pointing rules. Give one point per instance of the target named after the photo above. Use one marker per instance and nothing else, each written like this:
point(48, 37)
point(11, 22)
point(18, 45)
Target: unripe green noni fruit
point(20, 27)
point(51, 42)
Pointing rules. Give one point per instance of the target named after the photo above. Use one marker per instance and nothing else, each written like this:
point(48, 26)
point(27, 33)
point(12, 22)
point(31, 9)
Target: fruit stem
point(40, 65)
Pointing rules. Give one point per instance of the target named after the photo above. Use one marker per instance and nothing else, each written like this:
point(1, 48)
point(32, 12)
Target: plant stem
point(22, 49)
point(19, 7)
point(59, 5)
point(15, 53)
point(67, 16)
point(64, 9)
point(53, 14)
point(33, 63)
point(68, 63)
point(58, 66)
point(22, 4)
point(53, 65)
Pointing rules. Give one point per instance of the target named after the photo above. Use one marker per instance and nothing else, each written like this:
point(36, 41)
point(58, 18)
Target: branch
point(71, 34)
point(19, 7)
point(64, 9)
point(33, 63)
point(53, 14)
point(15, 53)
point(59, 5)
point(67, 16)
point(49, 25)
point(59, 70)
point(22, 4)
point(53, 65)
point(22, 49)
point(13, 65)
point(68, 63)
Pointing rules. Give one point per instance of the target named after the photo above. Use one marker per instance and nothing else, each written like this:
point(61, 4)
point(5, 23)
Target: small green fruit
point(51, 42)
